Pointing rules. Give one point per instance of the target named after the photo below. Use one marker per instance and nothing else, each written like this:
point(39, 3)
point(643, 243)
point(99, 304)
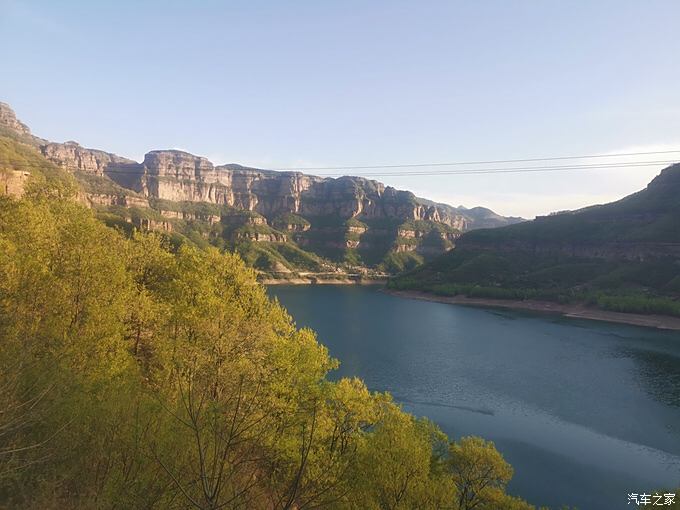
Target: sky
point(352, 83)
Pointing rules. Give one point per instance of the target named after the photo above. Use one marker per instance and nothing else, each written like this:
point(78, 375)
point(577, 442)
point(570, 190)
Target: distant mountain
point(477, 217)
point(280, 222)
point(622, 256)
point(640, 220)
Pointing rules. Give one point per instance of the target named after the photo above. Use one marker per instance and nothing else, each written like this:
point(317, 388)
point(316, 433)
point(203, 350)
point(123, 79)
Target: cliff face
point(75, 158)
point(9, 120)
point(13, 182)
point(312, 212)
point(182, 177)
point(179, 176)
point(606, 250)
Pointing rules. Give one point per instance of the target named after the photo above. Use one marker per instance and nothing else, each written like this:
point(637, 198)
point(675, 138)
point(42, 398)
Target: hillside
point(622, 256)
point(280, 222)
point(139, 374)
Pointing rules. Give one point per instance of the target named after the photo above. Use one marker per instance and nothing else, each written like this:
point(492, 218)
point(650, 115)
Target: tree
point(479, 472)
point(398, 465)
point(135, 374)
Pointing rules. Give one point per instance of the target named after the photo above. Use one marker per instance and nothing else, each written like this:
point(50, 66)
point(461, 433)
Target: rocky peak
point(179, 176)
point(175, 163)
point(9, 120)
point(73, 157)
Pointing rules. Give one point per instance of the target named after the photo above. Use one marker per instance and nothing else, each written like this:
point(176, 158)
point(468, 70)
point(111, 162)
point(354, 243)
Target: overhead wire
point(478, 162)
point(119, 168)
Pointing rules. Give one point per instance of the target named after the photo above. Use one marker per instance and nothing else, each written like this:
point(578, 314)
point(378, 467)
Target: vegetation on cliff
point(135, 373)
point(623, 256)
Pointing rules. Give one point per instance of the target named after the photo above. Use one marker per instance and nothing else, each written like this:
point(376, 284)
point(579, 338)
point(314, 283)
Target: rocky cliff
point(179, 176)
point(72, 156)
point(9, 120)
point(607, 250)
point(182, 177)
point(12, 182)
point(345, 219)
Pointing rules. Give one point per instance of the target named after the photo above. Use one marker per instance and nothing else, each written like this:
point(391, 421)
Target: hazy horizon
point(349, 84)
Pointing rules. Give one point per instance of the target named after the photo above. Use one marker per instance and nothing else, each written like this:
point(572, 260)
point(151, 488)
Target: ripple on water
point(578, 407)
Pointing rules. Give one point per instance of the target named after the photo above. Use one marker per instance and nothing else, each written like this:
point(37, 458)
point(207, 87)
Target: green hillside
point(650, 215)
point(622, 256)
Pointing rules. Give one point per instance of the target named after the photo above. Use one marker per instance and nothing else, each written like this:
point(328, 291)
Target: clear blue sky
point(316, 83)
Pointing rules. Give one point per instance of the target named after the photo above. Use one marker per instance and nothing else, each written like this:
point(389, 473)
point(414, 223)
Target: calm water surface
point(584, 411)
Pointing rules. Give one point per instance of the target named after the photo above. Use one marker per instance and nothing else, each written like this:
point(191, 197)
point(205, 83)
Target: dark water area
point(585, 411)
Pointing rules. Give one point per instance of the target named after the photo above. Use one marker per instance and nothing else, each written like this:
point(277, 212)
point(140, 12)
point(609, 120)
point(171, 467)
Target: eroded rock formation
point(182, 177)
point(9, 120)
point(72, 156)
point(314, 212)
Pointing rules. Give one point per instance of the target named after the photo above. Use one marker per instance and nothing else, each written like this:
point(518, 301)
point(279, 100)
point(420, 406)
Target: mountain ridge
point(390, 229)
point(621, 256)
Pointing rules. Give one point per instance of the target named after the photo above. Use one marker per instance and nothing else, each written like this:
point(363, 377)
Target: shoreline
point(664, 322)
point(313, 280)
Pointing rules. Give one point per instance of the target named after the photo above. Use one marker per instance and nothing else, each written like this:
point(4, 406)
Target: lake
point(585, 411)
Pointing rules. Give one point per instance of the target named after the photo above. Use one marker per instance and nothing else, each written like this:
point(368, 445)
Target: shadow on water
point(487, 412)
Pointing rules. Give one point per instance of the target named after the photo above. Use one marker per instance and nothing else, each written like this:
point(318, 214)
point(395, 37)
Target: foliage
point(399, 262)
point(284, 221)
point(619, 256)
point(140, 373)
point(195, 208)
point(276, 257)
point(479, 472)
point(429, 225)
point(625, 286)
point(101, 184)
point(46, 178)
point(354, 222)
point(18, 156)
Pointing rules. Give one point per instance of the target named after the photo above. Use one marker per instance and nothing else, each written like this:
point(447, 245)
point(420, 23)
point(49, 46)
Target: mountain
point(623, 256)
point(280, 222)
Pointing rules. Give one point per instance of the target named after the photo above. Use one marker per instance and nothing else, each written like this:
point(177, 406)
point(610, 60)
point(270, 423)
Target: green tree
point(397, 467)
point(479, 472)
point(136, 374)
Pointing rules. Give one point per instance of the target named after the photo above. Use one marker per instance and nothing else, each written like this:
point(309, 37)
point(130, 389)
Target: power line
point(469, 171)
point(461, 163)
point(512, 169)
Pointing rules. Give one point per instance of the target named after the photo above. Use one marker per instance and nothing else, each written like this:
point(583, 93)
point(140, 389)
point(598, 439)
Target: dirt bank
point(574, 311)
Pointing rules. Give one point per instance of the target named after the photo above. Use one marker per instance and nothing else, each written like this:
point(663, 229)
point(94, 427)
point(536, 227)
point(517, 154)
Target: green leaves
point(143, 376)
point(479, 472)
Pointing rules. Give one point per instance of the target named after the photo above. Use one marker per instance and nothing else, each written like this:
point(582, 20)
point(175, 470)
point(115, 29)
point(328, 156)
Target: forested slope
point(622, 256)
point(139, 374)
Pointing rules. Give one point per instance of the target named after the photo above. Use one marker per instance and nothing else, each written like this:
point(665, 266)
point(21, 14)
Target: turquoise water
point(585, 411)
